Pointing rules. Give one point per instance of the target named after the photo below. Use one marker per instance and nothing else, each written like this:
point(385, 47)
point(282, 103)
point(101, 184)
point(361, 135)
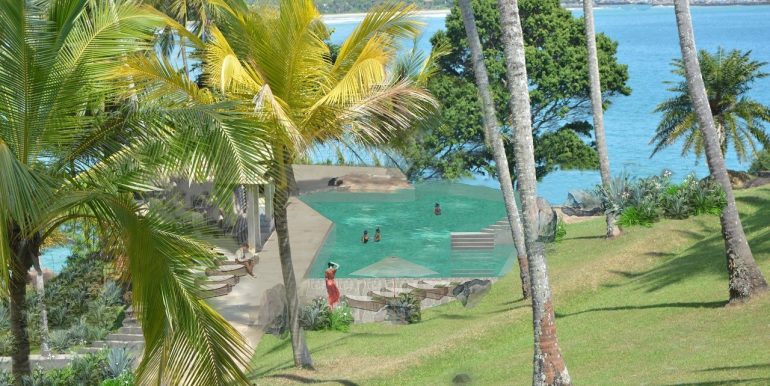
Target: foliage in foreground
point(405, 308)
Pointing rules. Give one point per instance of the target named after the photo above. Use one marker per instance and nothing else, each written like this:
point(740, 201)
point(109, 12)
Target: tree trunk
point(183, 52)
point(598, 110)
point(745, 278)
point(40, 287)
point(549, 366)
point(22, 250)
point(494, 139)
point(298, 344)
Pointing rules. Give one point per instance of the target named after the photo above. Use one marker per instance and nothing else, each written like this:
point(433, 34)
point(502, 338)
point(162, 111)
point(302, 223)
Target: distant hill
point(354, 6)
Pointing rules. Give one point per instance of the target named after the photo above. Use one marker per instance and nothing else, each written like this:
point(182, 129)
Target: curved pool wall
point(410, 230)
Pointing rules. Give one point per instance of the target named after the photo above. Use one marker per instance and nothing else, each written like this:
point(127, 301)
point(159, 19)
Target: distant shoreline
point(436, 13)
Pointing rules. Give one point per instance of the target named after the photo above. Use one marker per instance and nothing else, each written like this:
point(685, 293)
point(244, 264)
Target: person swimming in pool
point(437, 209)
point(365, 237)
point(377, 235)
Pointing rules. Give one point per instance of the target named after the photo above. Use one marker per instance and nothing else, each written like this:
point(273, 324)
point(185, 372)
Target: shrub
point(561, 231)
point(6, 343)
point(89, 369)
point(614, 197)
point(315, 316)
point(59, 340)
point(676, 206)
point(6, 379)
point(644, 214)
point(5, 317)
point(125, 379)
point(340, 318)
point(405, 308)
point(119, 361)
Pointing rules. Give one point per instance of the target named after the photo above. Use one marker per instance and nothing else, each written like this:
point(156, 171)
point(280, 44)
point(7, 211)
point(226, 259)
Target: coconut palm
point(746, 280)
point(549, 368)
point(739, 120)
point(598, 108)
point(81, 129)
point(193, 14)
point(495, 141)
point(276, 58)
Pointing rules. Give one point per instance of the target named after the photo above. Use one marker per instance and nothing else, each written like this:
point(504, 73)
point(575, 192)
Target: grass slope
point(647, 308)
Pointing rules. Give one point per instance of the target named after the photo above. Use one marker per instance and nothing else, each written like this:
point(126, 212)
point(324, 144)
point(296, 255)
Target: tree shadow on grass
point(739, 381)
point(758, 366)
point(305, 380)
point(716, 304)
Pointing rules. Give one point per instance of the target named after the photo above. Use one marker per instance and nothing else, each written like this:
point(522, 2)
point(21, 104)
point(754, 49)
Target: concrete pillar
point(252, 218)
point(269, 196)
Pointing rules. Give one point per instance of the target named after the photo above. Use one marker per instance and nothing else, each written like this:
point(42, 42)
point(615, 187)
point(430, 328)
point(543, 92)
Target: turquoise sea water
point(648, 42)
point(410, 230)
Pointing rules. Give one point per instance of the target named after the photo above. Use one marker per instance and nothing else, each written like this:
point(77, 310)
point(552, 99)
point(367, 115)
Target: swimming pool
point(410, 230)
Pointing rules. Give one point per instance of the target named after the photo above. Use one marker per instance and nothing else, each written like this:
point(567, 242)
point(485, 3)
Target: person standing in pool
point(365, 237)
point(377, 235)
point(437, 209)
point(331, 286)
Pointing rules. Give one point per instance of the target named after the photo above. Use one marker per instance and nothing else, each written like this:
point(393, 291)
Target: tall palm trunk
point(23, 249)
point(496, 143)
point(549, 367)
point(596, 103)
point(281, 200)
point(745, 278)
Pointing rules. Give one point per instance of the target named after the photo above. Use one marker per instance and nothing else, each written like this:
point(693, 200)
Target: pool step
point(472, 240)
point(474, 272)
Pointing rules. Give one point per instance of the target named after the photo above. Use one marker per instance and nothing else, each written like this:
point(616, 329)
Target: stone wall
point(315, 288)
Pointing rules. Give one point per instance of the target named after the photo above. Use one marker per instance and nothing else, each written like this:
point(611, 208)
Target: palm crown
point(739, 119)
point(88, 114)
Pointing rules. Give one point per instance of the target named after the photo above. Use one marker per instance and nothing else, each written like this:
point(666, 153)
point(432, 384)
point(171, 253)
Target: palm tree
point(188, 13)
point(277, 59)
point(738, 119)
point(549, 368)
point(495, 141)
point(82, 126)
point(745, 278)
point(598, 108)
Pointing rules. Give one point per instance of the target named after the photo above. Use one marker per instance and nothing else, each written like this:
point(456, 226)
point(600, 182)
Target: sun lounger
point(215, 292)
point(239, 271)
point(219, 280)
point(364, 302)
point(430, 291)
point(389, 293)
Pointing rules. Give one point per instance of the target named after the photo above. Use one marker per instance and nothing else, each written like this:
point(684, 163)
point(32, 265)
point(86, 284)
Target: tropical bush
point(340, 318)
point(59, 340)
point(6, 343)
point(561, 231)
point(318, 316)
point(642, 202)
point(119, 362)
point(125, 379)
point(405, 308)
point(315, 316)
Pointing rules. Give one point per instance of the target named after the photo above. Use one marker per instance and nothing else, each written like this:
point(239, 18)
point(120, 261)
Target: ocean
point(647, 38)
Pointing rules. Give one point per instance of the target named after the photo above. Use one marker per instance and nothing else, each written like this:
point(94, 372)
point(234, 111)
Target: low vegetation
point(645, 308)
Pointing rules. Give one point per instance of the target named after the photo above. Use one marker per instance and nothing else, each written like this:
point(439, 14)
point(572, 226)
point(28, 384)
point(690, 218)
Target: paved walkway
point(307, 233)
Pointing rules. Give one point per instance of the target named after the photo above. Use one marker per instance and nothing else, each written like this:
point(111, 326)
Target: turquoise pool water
point(410, 230)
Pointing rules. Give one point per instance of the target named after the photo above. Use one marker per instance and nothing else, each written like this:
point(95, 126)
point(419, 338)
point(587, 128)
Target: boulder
point(759, 181)
point(738, 180)
point(471, 292)
point(547, 221)
point(273, 313)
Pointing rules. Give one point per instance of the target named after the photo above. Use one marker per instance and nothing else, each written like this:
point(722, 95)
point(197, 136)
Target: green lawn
point(647, 308)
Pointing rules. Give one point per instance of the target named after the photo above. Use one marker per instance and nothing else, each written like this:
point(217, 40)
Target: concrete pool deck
point(242, 306)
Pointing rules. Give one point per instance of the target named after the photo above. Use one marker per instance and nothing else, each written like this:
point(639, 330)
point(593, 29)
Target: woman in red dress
point(331, 286)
